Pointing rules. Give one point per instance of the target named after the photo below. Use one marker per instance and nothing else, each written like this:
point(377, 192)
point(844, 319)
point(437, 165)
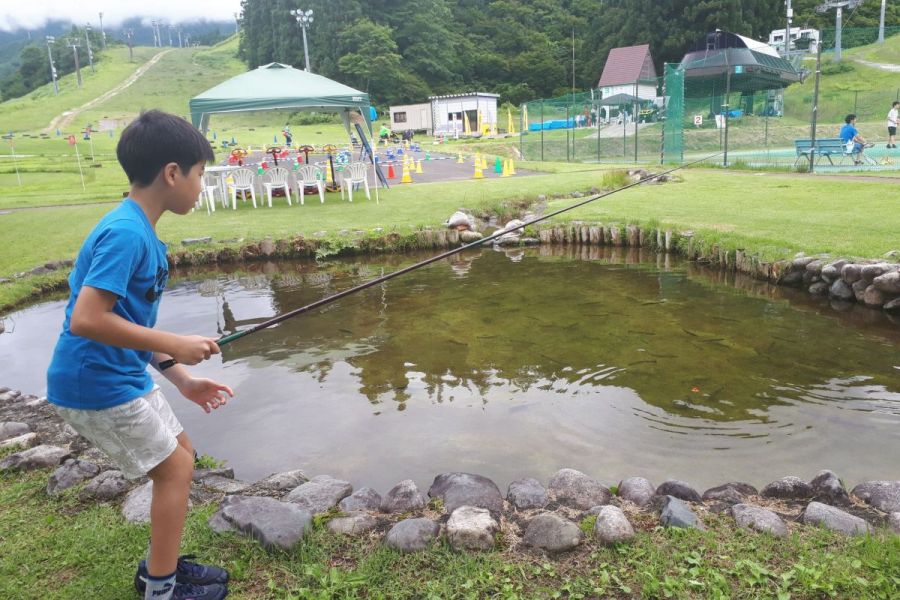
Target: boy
point(854, 142)
point(98, 379)
point(892, 117)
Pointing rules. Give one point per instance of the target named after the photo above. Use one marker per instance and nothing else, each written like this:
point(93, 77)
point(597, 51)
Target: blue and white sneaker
point(188, 573)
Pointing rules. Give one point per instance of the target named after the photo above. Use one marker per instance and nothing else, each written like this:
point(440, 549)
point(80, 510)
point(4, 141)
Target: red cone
point(391, 174)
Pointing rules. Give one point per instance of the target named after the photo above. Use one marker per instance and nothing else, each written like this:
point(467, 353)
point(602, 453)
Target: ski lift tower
point(840, 5)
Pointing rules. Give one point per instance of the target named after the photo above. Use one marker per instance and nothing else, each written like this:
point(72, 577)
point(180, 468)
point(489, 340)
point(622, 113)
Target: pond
point(517, 363)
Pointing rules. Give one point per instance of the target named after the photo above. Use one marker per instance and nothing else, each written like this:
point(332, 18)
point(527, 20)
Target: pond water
point(513, 364)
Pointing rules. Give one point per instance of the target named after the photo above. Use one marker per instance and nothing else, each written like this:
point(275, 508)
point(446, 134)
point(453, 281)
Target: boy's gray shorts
point(136, 436)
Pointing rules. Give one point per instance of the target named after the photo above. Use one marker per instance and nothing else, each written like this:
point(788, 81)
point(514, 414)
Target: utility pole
point(305, 19)
point(787, 29)
point(815, 110)
point(73, 43)
point(840, 5)
point(90, 53)
point(129, 34)
point(171, 27)
point(102, 33)
point(180, 45)
point(237, 22)
point(881, 23)
point(50, 41)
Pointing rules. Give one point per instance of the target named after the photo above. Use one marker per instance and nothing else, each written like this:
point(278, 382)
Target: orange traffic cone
point(391, 174)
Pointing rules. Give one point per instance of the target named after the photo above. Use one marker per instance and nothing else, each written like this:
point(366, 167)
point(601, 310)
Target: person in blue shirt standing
point(854, 142)
point(98, 379)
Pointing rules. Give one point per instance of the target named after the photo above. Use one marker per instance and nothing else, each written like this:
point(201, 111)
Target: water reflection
point(518, 362)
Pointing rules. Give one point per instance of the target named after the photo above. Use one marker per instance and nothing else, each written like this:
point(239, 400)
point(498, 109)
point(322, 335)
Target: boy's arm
point(206, 393)
point(93, 318)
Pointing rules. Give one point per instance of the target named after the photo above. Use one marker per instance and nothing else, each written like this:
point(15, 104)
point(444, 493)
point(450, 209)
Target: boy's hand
point(205, 393)
point(191, 349)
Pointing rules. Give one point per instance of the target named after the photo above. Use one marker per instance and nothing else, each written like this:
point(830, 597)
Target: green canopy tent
point(276, 86)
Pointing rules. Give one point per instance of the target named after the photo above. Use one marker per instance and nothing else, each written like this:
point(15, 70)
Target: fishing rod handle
point(171, 362)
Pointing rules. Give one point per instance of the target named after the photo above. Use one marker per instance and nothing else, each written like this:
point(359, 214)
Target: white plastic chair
point(207, 195)
point(243, 182)
point(278, 178)
point(310, 175)
point(354, 174)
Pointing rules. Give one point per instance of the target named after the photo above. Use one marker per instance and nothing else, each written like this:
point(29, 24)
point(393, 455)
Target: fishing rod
point(335, 297)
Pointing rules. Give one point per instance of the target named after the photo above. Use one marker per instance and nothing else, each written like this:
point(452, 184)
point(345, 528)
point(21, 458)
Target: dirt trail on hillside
point(883, 66)
point(68, 116)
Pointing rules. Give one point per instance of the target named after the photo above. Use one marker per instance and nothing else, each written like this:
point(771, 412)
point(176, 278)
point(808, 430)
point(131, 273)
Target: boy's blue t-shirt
point(121, 255)
point(848, 132)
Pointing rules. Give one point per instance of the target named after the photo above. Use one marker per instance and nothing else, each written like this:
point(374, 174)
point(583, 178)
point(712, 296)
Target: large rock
point(364, 498)
point(894, 522)
point(69, 474)
point(412, 535)
point(883, 495)
point(834, 519)
point(828, 488)
point(553, 533)
point(787, 488)
point(888, 283)
point(353, 524)
point(612, 525)
point(273, 523)
point(465, 489)
point(403, 497)
point(225, 484)
point(759, 519)
point(893, 306)
point(527, 493)
point(26, 440)
point(108, 485)
point(320, 494)
point(841, 290)
point(734, 492)
point(636, 490)
point(676, 513)
point(201, 474)
point(286, 480)
point(471, 528)
point(678, 489)
point(11, 429)
point(136, 507)
point(573, 488)
point(38, 457)
point(870, 272)
point(873, 296)
point(851, 273)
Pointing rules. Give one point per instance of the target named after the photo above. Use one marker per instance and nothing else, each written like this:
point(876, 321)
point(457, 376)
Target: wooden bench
point(826, 147)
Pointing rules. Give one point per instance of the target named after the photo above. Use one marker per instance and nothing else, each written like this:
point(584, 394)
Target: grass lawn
point(58, 549)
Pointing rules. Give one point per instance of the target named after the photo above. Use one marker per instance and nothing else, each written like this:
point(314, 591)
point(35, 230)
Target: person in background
point(288, 137)
point(892, 118)
point(854, 142)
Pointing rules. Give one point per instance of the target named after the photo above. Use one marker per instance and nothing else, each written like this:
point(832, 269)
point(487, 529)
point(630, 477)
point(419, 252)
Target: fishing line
point(334, 297)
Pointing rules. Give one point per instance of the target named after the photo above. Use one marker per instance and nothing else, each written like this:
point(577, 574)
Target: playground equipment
point(330, 149)
point(237, 156)
point(306, 149)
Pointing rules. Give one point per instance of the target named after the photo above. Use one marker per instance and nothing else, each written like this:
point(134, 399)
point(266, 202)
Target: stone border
point(468, 510)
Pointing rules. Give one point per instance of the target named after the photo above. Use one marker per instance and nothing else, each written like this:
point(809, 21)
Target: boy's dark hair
point(849, 118)
point(155, 139)
point(896, 103)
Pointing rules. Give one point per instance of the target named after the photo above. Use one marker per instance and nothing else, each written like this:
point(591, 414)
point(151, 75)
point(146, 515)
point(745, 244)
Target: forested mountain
point(405, 50)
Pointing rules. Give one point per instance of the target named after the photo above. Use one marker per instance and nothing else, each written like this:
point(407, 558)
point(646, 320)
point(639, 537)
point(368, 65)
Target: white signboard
point(698, 120)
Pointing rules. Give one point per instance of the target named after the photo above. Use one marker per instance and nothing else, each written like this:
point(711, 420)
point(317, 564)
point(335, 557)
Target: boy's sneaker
point(187, 572)
point(191, 591)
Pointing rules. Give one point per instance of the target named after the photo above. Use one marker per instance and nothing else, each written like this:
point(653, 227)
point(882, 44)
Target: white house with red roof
point(629, 70)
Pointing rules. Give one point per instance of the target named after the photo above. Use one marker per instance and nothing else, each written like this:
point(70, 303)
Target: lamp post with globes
point(305, 18)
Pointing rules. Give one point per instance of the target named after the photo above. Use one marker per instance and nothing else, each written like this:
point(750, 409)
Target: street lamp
point(129, 34)
point(90, 53)
point(102, 33)
point(50, 41)
point(305, 18)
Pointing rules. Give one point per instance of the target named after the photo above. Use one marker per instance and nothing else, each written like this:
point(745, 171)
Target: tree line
point(405, 50)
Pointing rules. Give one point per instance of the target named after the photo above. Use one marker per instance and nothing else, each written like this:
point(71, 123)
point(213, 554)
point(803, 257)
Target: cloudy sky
point(28, 14)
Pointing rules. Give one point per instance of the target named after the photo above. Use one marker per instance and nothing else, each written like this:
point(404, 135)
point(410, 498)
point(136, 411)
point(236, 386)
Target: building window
point(399, 117)
point(454, 116)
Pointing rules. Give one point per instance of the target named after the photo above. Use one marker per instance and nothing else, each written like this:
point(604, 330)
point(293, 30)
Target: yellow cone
point(505, 172)
point(406, 176)
point(479, 174)
point(459, 159)
point(419, 166)
point(512, 167)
